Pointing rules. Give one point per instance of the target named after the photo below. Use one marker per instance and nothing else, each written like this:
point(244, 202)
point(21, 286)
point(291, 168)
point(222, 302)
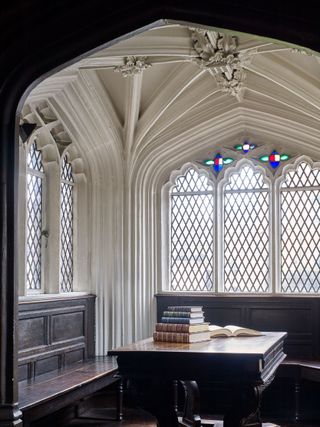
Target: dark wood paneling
point(67, 326)
point(275, 319)
point(297, 316)
point(223, 315)
point(32, 332)
point(47, 364)
point(23, 372)
point(74, 356)
point(54, 333)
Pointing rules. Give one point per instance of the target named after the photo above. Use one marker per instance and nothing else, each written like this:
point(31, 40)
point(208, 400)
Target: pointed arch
point(190, 201)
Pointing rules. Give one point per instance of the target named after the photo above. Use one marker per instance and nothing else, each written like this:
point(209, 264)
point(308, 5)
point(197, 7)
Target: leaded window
point(222, 238)
point(66, 227)
point(300, 230)
point(246, 232)
point(35, 178)
point(192, 225)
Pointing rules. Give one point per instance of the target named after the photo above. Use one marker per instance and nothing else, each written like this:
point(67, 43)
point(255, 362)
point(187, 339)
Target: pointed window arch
point(300, 230)
point(246, 231)
point(192, 236)
point(66, 226)
point(34, 220)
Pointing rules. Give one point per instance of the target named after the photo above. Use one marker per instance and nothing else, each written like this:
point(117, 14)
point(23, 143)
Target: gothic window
point(192, 225)
point(246, 232)
point(300, 231)
point(66, 227)
point(34, 210)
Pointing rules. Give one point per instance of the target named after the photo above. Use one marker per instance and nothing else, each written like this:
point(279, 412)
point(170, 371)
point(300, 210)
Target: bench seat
point(55, 390)
point(301, 369)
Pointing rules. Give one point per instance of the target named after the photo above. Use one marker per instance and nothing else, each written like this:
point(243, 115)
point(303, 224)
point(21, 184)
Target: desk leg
point(175, 396)
point(157, 397)
point(120, 400)
point(245, 410)
point(297, 400)
point(163, 404)
point(191, 410)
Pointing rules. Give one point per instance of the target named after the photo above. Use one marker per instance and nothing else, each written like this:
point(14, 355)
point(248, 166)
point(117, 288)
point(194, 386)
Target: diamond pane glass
point(192, 233)
point(34, 158)
point(246, 232)
point(66, 230)
point(190, 182)
point(300, 231)
point(303, 176)
point(66, 171)
point(33, 232)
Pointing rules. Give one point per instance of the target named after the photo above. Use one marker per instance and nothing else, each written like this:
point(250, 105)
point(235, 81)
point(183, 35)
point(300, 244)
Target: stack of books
point(184, 324)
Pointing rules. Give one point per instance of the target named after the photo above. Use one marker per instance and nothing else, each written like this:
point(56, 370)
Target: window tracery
point(241, 233)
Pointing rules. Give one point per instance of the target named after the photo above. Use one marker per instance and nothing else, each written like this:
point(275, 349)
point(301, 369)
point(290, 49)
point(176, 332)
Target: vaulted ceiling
point(179, 85)
point(140, 109)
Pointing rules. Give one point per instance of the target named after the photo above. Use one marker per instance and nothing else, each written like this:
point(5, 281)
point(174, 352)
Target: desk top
point(246, 346)
point(231, 359)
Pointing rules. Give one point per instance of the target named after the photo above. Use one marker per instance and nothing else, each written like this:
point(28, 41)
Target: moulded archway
point(34, 47)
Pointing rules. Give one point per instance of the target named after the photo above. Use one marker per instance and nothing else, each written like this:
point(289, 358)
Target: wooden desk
point(247, 363)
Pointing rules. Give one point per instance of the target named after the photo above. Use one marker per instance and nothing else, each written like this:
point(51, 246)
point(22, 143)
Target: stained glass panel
point(245, 147)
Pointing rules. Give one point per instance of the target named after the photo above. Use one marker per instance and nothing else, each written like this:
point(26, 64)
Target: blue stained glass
point(218, 163)
point(274, 159)
point(245, 147)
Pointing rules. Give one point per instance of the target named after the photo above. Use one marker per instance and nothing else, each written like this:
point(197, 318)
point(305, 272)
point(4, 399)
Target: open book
point(232, 331)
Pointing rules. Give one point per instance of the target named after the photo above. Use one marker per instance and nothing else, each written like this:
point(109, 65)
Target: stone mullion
point(51, 247)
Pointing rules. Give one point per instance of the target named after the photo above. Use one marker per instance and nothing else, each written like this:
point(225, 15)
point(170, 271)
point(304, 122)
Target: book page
point(238, 330)
point(216, 331)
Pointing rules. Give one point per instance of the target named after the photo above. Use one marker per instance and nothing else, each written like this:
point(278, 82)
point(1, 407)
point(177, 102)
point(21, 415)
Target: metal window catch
point(45, 233)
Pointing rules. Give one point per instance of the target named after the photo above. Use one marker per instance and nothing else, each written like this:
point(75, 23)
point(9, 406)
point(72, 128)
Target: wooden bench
point(299, 370)
point(50, 392)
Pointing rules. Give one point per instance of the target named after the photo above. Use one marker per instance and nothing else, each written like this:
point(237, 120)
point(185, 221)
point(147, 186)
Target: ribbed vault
point(144, 107)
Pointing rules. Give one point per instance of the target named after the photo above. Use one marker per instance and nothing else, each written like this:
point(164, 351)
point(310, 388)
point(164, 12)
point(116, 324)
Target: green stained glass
point(227, 160)
point(208, 162)
point(238, 147)
point(264, 158)
point(284, 157)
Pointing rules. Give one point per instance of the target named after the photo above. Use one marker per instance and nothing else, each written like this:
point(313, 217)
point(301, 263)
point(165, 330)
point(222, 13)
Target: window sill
point(44, 297)
point(206, 294)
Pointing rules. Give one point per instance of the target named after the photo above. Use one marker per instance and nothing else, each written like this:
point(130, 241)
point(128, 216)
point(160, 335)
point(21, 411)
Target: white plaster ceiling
point(175, 101)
